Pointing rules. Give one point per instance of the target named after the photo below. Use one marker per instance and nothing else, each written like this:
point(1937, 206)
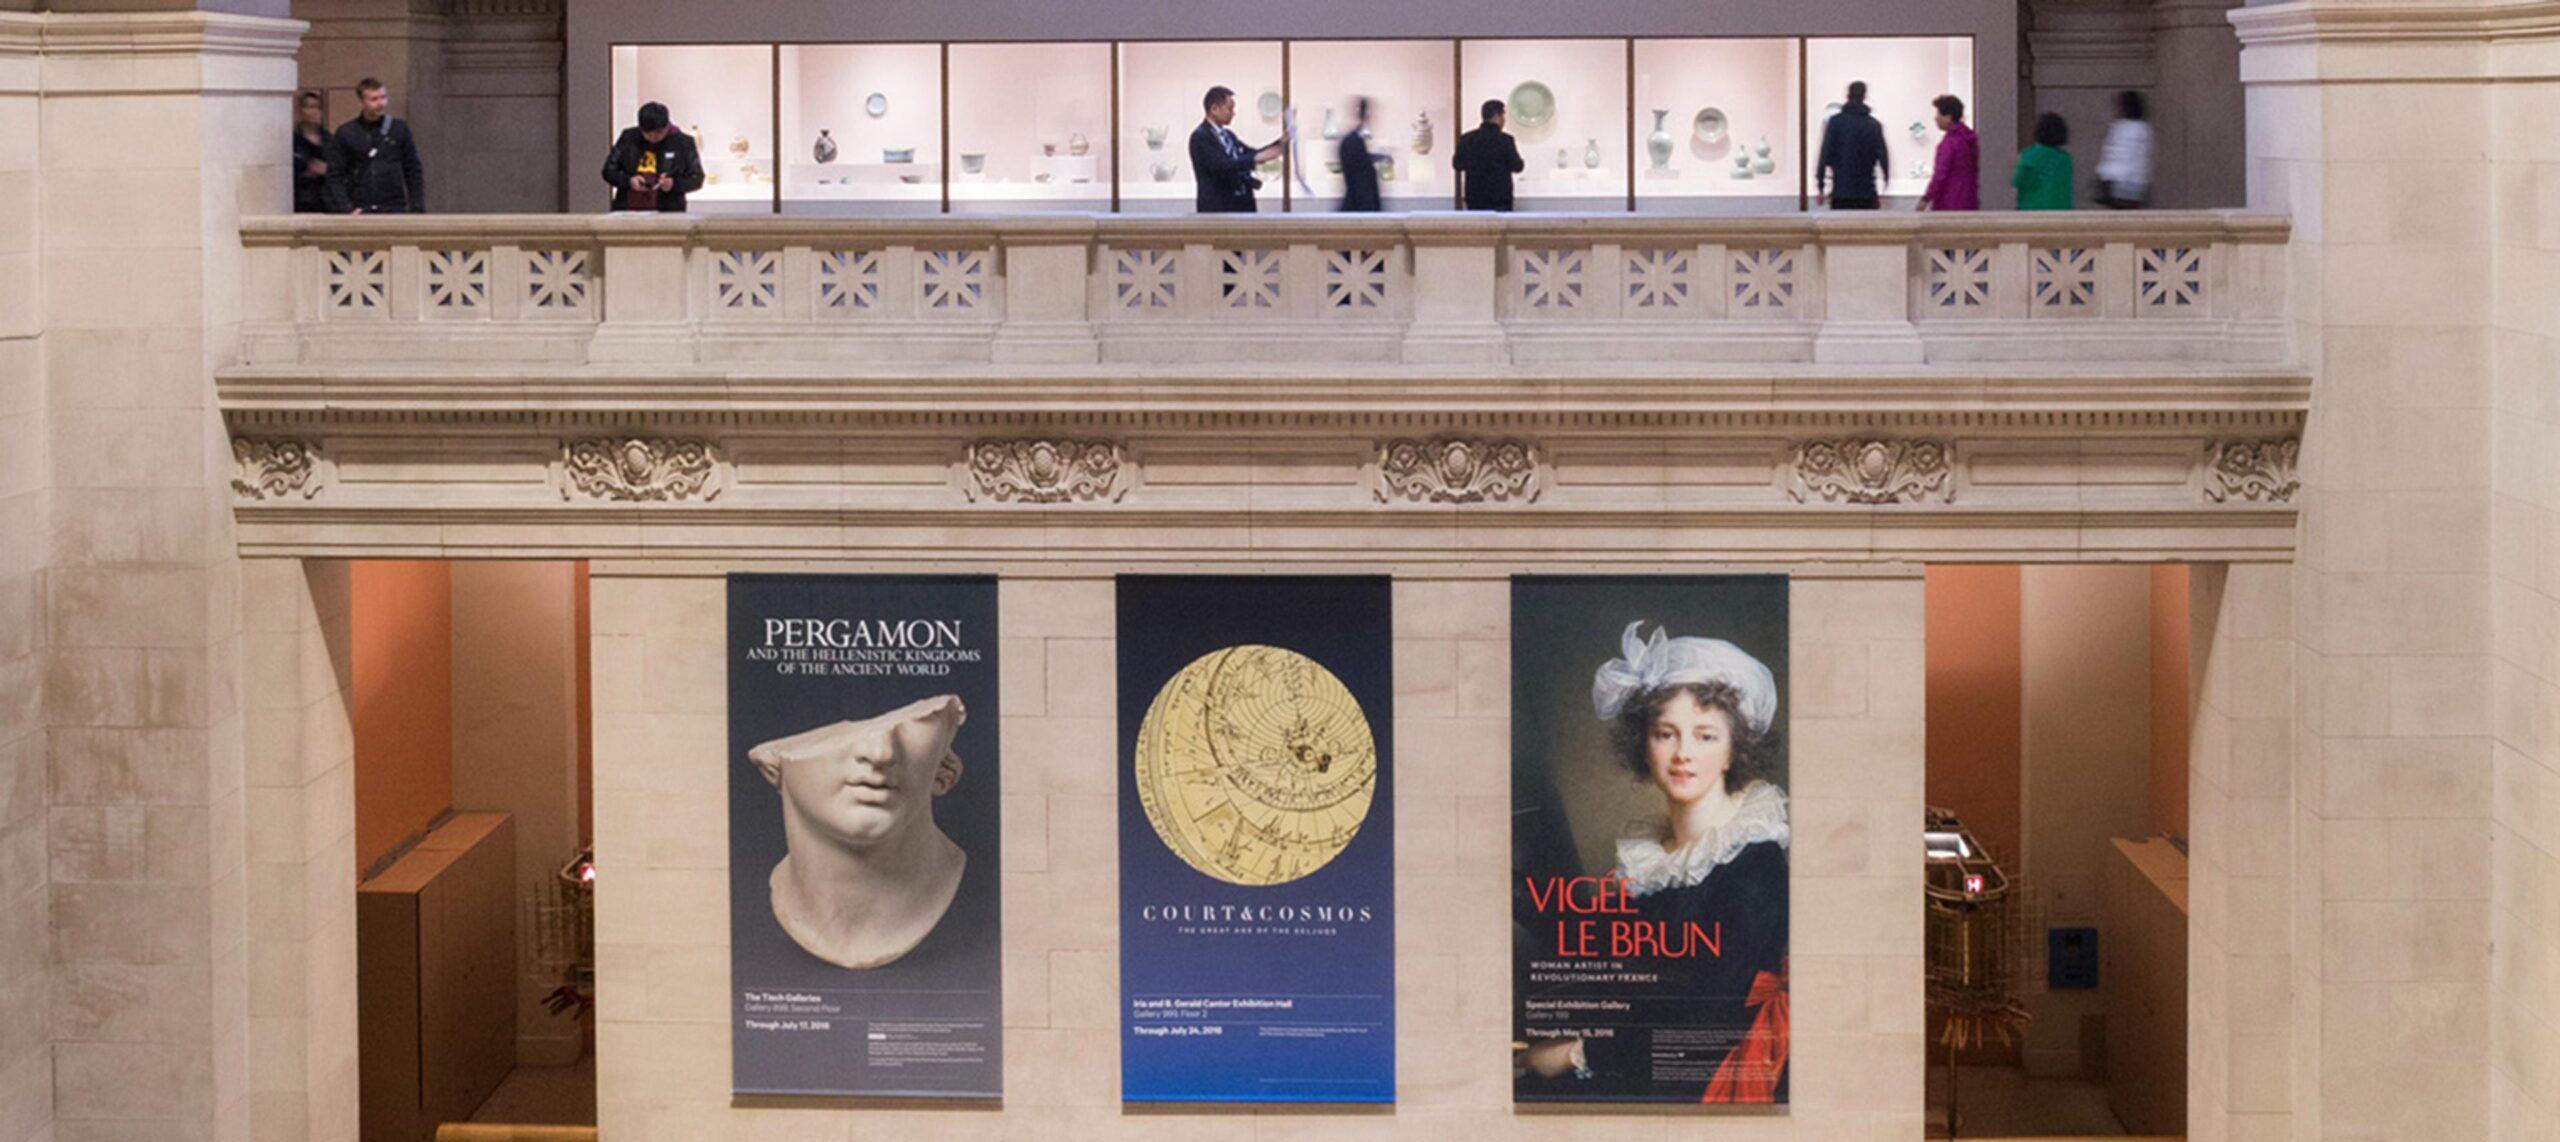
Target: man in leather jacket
point(373, 161)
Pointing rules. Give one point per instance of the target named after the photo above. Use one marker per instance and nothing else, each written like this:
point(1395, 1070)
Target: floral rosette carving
point(1458, 470)
point(1873, 471)
point(274, 469)
point(1047, 471)
point(2256, 471)
point(641, 469)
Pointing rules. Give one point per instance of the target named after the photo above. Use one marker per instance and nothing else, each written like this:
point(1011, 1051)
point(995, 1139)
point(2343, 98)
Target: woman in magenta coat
point(1956, 183)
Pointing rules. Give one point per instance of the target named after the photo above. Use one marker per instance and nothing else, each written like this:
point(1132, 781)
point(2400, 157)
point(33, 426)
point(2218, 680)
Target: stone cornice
point(2310, 21)
point(166, 33)
point(1473, 538)
point(118, 53)
point(2081, 398)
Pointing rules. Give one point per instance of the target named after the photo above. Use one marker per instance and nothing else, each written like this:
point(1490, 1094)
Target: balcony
point(1459, 390)
point(1368, 293)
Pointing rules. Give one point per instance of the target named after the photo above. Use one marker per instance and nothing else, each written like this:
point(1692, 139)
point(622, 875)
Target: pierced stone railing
point(1530, 290)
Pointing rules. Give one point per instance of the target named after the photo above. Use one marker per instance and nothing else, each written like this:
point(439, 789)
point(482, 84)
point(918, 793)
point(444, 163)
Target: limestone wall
point(26, 1053)
point(663, 921)
point(2524, 600)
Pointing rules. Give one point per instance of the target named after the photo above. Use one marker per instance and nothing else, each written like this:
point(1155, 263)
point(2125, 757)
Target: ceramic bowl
point(1532, 104)
point(901, 155)
point(973, 162)
point(1709, 125)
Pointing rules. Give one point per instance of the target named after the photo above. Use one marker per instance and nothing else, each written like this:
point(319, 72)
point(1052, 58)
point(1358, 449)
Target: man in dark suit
point(1359, 167)
point(1222, 166)
point(1485, 160)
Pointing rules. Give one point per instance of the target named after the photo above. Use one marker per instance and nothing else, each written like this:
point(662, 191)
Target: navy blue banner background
point(1335, 1040)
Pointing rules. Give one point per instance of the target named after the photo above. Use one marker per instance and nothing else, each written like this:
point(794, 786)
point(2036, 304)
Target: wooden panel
point(2144, 961)
point(435, 977)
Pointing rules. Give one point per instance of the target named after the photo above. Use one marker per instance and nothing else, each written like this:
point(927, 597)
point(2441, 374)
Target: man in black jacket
point(1854, 166)
point(373, 161)
point(1221, 166)
point(1359, 167)
point(653, 166)
point(1485, 160)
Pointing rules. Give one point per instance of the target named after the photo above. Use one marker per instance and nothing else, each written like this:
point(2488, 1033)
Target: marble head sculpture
point(868, 874)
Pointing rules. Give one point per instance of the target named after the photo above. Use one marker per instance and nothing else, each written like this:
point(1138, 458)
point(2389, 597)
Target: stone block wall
point(26, 1053)
point(662, 924)
point(2524, 603)
point(299, 771)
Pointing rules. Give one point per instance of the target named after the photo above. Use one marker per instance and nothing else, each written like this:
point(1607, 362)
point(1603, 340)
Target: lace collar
point(1648, 868)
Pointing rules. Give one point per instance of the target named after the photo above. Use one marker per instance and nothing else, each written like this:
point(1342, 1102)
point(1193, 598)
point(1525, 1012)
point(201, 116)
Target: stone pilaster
point(299, 771)
point(152, 135)
point(502, 75)
point(2404, 141)
point(26, 1049)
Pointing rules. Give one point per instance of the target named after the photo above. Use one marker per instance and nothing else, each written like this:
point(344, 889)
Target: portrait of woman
point(1700, 880)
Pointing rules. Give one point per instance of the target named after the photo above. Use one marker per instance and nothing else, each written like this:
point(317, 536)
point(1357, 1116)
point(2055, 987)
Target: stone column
point(150, 134)
point(2250, 998)
point(2412, 151)
point(2080, 55)
point(502, 73)
point(26, 1051)
point(299, 737)
point(2198, 156)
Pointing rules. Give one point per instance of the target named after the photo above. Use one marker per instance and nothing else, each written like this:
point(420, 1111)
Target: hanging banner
point(1257, 846)
point(863, 906)
point(1649, 839)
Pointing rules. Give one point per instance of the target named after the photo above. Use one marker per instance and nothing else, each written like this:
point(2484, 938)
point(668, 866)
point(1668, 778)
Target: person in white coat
point(2124, 160)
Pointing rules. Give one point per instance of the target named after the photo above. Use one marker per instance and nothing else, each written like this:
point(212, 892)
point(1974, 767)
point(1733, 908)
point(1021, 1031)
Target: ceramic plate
point(1919, 129)
point(1708, 126)
point(877, 105)
point(1831, 109)
point(1269, 104)
point(1532, 104)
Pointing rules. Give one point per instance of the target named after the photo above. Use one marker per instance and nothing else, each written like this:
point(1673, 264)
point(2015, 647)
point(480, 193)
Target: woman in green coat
point(2043, 177)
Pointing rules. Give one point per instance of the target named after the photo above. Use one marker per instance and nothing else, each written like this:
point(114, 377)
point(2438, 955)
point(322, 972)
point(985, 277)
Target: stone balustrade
point(1539, 291)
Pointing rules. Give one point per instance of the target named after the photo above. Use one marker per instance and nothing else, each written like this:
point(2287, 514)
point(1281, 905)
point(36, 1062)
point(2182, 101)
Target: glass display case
point(1567, 104)
point(1161, 85)
point(862, 125)
point(1410, 85)
point(1717, 126)
point(1903, 75)
point(1017, 111)
point(1671, 126)
point(722, 95)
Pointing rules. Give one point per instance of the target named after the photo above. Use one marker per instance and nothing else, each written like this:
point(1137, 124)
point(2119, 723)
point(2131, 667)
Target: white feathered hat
point(1644, 665)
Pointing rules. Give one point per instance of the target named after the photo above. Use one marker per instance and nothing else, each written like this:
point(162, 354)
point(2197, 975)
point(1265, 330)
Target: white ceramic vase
point(1657, 146)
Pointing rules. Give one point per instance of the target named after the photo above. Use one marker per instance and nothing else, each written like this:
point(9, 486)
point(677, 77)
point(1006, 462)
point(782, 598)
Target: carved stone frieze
point(641, 469)
point(1872, 470)
point(1039, 470)
point(274, 468)
point(2256, 471)
point(1458, 470)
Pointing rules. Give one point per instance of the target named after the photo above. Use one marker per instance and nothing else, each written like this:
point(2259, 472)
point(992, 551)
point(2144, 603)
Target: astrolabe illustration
point(1255, 765)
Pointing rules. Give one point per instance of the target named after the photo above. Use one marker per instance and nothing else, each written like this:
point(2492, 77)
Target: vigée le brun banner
point(1649, 839)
